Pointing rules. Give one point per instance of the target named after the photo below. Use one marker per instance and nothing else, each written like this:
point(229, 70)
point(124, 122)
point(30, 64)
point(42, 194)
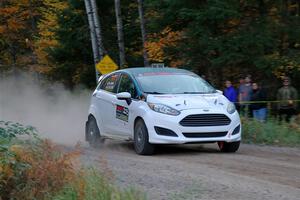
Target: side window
point(127, 85)
point(110, 83)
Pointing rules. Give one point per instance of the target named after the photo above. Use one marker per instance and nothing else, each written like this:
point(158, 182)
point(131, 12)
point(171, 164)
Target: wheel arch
point(93, 112)
point(90, 116)
point(136, 120)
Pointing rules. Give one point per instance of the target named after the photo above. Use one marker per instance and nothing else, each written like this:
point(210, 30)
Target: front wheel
point(229, 147)
point(92, 133)
point(141, 139)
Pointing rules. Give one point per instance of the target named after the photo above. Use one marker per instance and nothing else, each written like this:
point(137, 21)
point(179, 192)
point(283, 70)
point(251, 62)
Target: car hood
point(190, 101)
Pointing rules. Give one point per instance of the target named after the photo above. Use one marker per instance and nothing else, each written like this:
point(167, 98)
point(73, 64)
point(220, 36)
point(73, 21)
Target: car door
point(125, 113)
point(105, 103)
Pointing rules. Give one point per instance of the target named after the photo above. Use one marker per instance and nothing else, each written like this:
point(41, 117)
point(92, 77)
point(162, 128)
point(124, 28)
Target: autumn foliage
point(31, 168)
point(229, 38)
point(34, 171)
point(158, 44)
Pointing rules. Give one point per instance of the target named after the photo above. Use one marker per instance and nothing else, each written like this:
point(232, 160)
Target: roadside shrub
point(9, 132)
point(11, 169)
point(271, 132)
point(31, 168)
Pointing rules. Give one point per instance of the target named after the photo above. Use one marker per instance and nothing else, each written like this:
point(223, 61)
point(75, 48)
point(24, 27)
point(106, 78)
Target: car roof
point(138, 70)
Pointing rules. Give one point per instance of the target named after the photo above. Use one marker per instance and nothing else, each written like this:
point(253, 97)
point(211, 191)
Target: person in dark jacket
point(230, 92)
point(259, 109)
point(286, 96)
point(245, 93)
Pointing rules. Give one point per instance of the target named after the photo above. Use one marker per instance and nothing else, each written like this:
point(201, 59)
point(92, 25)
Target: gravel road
point(201, 172)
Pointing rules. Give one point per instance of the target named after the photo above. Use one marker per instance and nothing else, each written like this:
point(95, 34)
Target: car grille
point(205, 120)
point(205, 135)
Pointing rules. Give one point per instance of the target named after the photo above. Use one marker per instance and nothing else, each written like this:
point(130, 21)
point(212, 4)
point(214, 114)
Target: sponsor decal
point(122, 113)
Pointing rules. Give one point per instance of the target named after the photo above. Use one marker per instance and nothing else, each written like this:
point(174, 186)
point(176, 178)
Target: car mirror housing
point(124, 96)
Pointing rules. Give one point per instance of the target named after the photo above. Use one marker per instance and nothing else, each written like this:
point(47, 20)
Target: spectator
point(286, 95)
point(241, 82)
point(245, 92)
point(259, 110)
point(230, 92)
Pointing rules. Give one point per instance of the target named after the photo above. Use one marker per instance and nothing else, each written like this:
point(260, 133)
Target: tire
point(92, 133)
point(141, 139)
point(229, 147)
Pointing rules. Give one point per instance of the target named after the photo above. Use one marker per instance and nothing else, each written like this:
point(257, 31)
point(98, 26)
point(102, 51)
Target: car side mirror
point(124, 96)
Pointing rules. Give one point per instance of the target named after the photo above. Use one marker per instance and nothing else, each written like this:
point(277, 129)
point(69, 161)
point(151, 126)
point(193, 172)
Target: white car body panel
point(104, 105)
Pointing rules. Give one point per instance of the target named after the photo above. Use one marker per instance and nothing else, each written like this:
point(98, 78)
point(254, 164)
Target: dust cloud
point(57, 113)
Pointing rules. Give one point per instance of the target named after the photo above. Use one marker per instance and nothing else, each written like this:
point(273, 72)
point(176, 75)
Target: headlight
point(230, 108)
point(163, 109)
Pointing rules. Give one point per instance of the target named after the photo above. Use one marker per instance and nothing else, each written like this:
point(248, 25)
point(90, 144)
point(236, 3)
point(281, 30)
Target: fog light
point(236, 130)
point(165, 132)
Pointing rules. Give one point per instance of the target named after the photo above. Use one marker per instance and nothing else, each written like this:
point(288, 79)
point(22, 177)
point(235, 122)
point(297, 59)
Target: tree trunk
point(92, 33)
point(143, 30)
point(33, 31)
point(120, 33)
point(262, 7)
point(95, 32)
point(32, 19)
point(98, 31)
point(285, 8)
point(298, 2)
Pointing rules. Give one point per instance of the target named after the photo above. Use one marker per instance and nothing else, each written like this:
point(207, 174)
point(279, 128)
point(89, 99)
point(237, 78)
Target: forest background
point(219, 39)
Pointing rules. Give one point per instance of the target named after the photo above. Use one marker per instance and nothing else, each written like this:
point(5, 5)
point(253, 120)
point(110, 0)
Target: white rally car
point(161, 106)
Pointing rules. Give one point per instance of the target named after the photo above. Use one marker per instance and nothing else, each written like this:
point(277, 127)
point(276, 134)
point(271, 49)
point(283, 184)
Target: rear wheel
point(92, 133)
point(141, 139)
point(229, 147)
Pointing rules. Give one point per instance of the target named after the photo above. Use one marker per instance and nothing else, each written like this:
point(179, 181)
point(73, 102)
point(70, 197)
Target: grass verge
point(271, 132)
point(94, 186)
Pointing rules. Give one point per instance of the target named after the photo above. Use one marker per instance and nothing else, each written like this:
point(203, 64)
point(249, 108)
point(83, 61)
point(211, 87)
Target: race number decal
point(122, 113)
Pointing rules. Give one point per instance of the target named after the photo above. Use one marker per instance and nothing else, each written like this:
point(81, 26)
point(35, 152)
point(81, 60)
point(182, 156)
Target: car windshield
point(173, 83)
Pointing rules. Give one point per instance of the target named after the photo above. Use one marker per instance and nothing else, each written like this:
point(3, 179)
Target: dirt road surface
point(202, 172)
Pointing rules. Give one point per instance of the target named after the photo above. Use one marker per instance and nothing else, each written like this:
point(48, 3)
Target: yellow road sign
point(106, 65)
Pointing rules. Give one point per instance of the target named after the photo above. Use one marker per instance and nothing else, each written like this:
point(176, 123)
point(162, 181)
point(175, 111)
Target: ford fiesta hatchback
point(161, 106)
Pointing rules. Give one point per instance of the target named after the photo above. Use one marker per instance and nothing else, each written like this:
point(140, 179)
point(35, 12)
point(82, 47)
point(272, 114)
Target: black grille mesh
point(205, 135)
point(205, 120)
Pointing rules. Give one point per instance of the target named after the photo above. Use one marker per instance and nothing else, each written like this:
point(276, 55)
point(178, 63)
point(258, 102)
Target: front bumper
point(153, 119)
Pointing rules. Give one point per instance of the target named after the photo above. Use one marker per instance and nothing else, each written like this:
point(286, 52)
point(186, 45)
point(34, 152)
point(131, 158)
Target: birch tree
point(120, 33)
point(95, 32)
point(143, 31)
